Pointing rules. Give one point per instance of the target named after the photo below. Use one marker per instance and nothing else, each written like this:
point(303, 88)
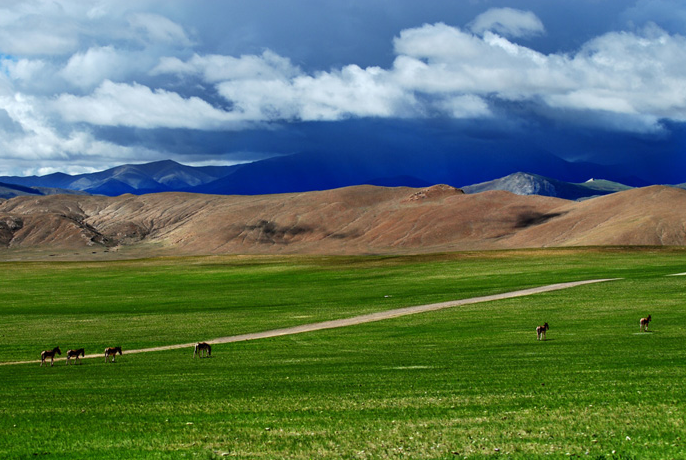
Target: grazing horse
point(49, 354)
point(541, 330)
point(201, 348)
point(75, 354)
point(112, 351)
point(643, 324)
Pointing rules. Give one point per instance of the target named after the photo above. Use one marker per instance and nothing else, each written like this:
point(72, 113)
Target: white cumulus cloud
point(135, 105)
point(34, 143)
point(159, 29)
point(89, 69)
point(438, 69)
point(509, 22)
point(218, 68)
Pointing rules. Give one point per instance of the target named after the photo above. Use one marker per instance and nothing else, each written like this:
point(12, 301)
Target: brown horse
point(643, 324)
point(112, 351)
point(49, 354)
point(201, 348)
point(541, 330)
point(75, 354)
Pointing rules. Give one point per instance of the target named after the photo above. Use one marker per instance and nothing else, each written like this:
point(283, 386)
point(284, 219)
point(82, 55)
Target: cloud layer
point(438, 70)
point(73, 68)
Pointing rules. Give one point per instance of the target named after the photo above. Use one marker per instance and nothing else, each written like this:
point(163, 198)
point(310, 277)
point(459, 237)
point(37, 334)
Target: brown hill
point(353, 220)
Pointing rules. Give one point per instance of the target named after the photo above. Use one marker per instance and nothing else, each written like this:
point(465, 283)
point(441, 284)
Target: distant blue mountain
point(321, 171)
point(533, 184)
point(310, 171)
point(159, 176)
point(11, 190)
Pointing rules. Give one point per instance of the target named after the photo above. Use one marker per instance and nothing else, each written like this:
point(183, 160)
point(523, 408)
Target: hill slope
point(534, 184)
point(353, 220)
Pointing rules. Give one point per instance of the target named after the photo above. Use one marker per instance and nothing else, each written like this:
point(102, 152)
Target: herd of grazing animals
point(204, 349)
point(642, 327)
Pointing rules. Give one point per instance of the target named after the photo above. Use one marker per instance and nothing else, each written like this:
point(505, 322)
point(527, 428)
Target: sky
point(88, 85)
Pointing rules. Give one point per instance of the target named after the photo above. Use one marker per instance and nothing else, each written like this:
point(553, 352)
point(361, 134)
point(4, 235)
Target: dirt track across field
point(382, 315)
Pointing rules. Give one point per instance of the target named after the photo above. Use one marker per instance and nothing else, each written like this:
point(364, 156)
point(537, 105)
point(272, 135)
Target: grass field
point(463, 382)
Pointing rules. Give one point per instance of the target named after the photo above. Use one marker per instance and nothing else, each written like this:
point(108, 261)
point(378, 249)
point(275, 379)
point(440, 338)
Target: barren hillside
point(353, 220)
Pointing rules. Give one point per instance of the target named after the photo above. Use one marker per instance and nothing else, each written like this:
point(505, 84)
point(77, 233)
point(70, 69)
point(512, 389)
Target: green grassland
point(469, 381)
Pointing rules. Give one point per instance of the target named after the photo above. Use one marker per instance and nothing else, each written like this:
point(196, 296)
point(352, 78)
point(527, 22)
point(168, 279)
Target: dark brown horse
point(75, 354)
point(201, 348)
point(49, 354)
point(643, 324)
point(541, 330)
point(112, 351)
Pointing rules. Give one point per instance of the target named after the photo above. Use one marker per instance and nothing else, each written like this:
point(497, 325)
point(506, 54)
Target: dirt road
point(382, 315)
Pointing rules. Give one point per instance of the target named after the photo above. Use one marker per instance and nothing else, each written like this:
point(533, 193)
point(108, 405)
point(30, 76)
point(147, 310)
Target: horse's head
point(649, 318)
point(118, 350)
point(209, 350)
point(546, 326)
point(57, 350)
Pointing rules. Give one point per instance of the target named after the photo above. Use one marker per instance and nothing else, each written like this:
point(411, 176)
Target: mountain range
point(352, 220)
point(159, 176)
point(295, 173)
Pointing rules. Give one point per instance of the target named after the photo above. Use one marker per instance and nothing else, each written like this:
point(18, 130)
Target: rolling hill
point(351, 220)
point(534, 184)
